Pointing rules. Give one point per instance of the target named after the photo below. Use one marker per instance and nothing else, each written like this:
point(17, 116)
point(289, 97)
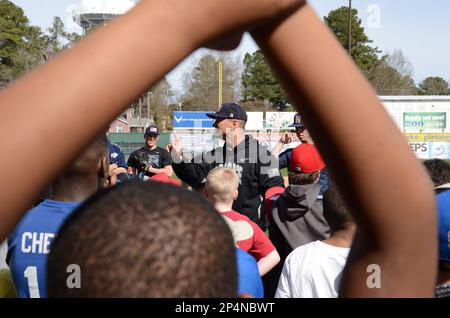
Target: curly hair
point(439, 171)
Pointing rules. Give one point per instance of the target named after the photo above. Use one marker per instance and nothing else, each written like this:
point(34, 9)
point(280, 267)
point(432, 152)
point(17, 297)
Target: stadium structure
point(94, 13)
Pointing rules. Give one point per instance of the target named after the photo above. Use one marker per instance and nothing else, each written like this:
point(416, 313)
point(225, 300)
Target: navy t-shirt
point(116, 155)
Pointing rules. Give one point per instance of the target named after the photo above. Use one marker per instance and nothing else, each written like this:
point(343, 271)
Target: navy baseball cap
point(297, 121)
point(151, 130)
point(229, 111)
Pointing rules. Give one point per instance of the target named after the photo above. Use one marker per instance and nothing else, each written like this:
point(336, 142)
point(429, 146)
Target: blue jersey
point(443, 202)
point(29, 245)
point(249, 280)
point(116, 155)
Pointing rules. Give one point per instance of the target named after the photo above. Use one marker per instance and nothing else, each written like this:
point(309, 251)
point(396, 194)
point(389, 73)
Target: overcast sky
point(419, 28)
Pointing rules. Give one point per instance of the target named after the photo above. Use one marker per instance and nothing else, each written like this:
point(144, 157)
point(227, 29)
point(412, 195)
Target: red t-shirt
point(248, 235)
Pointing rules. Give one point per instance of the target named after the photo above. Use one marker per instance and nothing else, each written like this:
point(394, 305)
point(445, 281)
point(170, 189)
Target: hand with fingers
point(174, 147)
point(286, 138)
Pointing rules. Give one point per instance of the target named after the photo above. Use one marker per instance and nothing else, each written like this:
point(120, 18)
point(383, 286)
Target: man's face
point(303, 134)
point(223, 125)
point(151, 140)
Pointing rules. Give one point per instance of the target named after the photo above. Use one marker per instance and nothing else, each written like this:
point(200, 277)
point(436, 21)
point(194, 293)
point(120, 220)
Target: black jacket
point(256, 167)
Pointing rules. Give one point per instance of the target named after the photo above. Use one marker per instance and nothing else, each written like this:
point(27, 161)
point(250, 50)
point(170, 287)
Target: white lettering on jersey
point(36, 242)
point(26, 248)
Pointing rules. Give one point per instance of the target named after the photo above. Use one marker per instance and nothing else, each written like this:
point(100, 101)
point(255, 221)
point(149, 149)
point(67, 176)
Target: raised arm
point(86, 87)
point(391, 197)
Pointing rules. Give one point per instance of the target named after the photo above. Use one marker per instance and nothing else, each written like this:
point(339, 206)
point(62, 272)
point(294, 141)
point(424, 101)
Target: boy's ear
point(103, 167)
point(235, 195)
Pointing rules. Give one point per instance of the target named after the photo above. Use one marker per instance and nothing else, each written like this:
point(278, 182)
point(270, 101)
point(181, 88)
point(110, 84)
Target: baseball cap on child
point(297, 121)
point(162, 177)
point(306, 159)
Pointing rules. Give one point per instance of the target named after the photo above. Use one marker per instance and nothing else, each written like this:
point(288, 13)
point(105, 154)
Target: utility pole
point(220, 83)
point(140, 114)
point(166, 100)
point(148, 107)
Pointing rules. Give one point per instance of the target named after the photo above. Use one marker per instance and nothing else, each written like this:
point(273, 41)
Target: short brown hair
point(303, 178)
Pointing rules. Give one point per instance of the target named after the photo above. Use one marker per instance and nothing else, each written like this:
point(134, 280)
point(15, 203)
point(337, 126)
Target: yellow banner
point(430, 137)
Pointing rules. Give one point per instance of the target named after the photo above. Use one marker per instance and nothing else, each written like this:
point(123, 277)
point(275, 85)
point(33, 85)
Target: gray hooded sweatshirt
point(297, 218)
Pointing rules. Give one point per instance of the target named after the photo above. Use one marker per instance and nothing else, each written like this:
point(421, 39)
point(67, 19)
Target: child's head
point(222, 185)
point(132, 241)
point(305, 165)
point(438, 170)
point(335, 211)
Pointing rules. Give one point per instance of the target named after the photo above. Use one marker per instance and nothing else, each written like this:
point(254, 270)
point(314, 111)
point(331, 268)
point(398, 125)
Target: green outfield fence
point(129, 142)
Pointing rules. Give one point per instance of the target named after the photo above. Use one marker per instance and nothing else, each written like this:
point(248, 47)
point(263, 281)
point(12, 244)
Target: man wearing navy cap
point(305, 138)
point(254, 164)
point(150, 159)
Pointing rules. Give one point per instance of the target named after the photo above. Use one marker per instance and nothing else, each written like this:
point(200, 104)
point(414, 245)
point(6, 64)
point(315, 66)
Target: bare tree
point(156, 105)
point(393, 75)
point(201, 83)
point(399, 61)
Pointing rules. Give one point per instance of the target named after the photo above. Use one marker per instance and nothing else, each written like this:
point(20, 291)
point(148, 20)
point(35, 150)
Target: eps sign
point(420, 149)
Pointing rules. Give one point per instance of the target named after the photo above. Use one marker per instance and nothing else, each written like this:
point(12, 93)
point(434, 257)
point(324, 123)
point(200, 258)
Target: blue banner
point(192, 120)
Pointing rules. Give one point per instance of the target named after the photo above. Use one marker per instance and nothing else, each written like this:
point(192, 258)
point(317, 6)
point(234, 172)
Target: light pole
point(167, 107)
point(220, 83)
point(350, 27)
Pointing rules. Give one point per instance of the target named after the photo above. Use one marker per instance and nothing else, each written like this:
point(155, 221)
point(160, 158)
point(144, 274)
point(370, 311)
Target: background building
point(94, 13)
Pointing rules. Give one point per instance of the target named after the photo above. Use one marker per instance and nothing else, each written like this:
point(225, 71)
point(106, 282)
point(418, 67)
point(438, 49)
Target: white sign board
point(255, 121)
point(279, 120)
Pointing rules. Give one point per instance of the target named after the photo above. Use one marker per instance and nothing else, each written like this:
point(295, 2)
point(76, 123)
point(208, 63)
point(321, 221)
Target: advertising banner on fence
point(430, 150)
point(439, 150)
point(420, 120)
point(192, 120)
point(421, 149)
point(430, 137)
point(199, 120)
point(429, 145)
